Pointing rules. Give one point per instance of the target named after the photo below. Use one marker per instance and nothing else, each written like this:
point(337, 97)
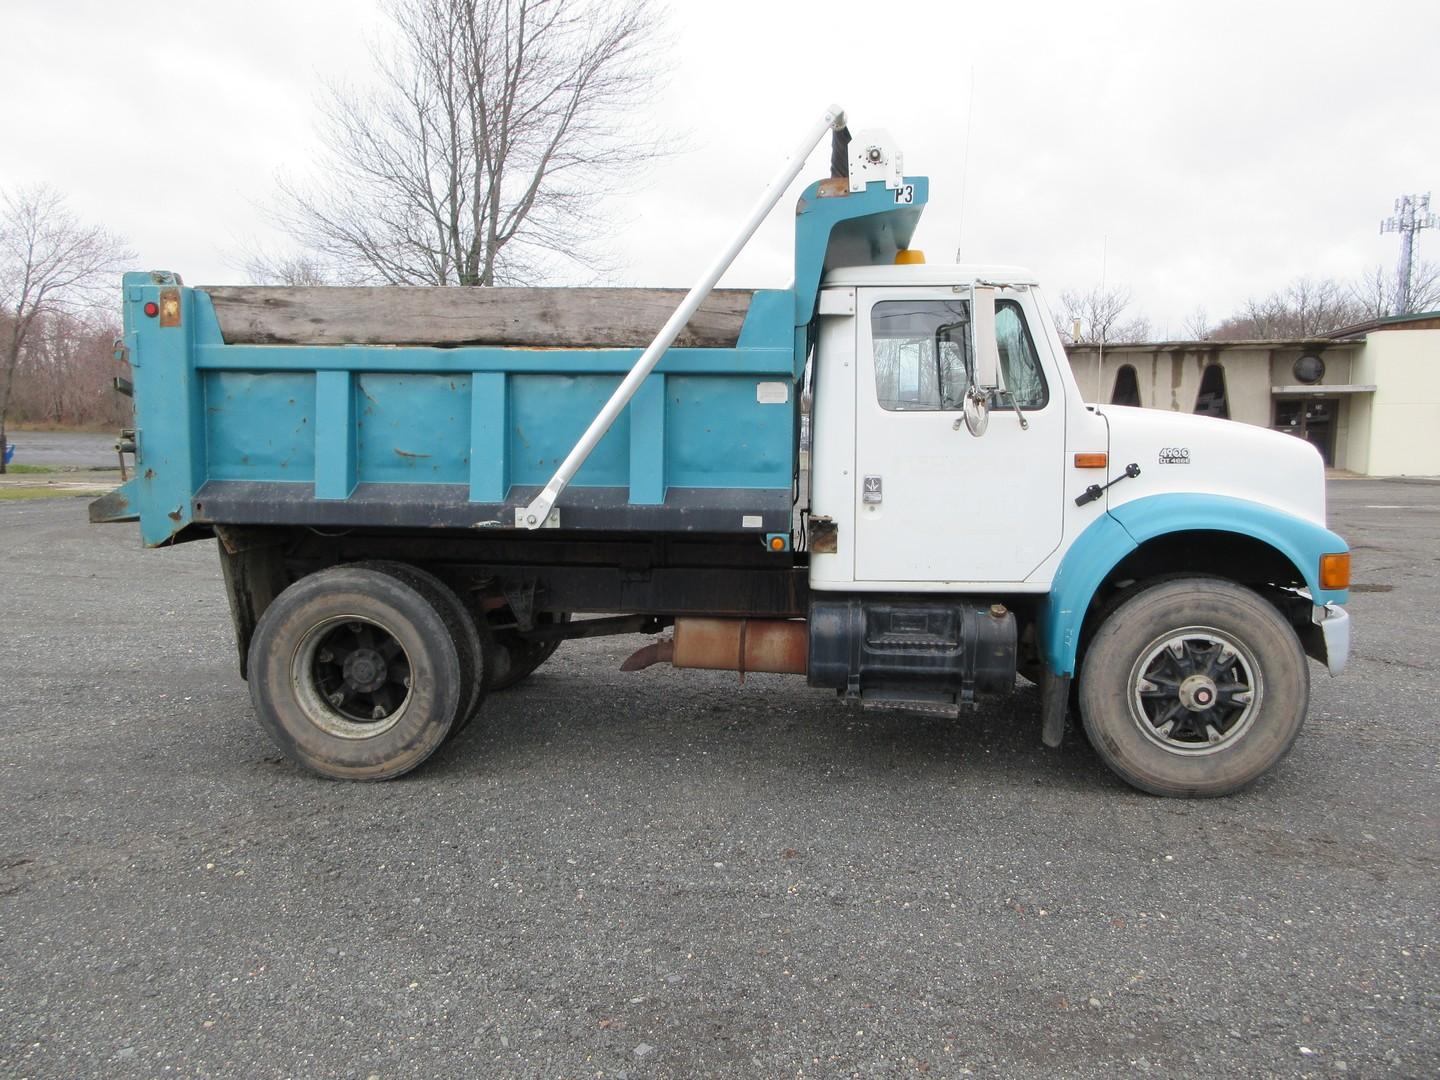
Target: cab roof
point(930, 274)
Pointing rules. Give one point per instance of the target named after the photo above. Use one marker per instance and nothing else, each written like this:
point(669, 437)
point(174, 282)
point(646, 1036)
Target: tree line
point(65, 373)
point(1307, 307)
point(57, 279)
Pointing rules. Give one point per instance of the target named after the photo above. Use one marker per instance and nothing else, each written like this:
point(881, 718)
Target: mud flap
point(115, 506)
point(1054, 698)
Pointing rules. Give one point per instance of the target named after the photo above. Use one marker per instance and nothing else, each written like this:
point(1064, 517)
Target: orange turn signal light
point(1335, 571)
point(1092, 460)
point(777, 543)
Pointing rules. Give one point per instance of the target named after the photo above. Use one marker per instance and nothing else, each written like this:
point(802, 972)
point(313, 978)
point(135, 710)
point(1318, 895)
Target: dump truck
point(883, 479)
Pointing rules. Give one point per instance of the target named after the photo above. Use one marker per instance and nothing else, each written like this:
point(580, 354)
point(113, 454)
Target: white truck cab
point(1091, 523)
point(920, 503)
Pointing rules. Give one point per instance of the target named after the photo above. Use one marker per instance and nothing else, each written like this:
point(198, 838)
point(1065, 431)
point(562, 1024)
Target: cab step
point(924, 702)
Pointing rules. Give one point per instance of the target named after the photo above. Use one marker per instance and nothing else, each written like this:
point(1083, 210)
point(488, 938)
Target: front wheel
point(1194, 687)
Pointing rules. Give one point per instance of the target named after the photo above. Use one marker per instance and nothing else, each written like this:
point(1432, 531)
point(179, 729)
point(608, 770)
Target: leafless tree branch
point(1307, 307)
point(1099, 312)
point(481, 155)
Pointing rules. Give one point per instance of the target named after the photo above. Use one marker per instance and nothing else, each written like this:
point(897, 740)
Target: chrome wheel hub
point(1195, 690)
point(1197, 693)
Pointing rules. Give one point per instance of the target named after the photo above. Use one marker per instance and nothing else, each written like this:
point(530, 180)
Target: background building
point(1367, 396)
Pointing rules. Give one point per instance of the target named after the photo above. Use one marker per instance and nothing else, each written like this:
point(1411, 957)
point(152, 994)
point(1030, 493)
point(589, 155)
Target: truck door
point(934, 503)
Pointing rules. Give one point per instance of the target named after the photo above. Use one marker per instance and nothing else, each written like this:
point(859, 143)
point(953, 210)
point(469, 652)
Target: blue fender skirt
point(1110, 538)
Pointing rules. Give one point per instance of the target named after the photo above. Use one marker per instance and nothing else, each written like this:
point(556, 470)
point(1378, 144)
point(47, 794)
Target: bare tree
point(1100, 314)
point(478, 160)
point(1374, 292)
point(266, 268)
point(1377, 292)
point(1425, 286)
point(49, 263)
point(1197, 324)
point(1307, 307)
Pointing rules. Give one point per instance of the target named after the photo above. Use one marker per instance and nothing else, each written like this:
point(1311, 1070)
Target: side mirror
point(983, 346)
point(986, 353)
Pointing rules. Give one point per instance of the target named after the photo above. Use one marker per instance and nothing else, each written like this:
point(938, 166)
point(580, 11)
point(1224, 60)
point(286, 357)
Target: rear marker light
point(169, 307)
point(151, 308)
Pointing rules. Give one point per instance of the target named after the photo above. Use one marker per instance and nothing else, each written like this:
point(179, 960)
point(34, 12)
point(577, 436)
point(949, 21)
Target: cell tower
point(1412, 213)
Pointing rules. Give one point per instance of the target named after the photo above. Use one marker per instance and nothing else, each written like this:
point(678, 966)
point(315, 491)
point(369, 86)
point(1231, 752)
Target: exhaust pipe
point(773, 645)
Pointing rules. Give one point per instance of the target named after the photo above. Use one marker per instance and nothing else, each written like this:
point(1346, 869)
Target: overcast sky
point(1202, 152)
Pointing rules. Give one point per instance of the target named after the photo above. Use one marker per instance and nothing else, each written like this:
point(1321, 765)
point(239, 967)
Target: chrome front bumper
point(1333, 623)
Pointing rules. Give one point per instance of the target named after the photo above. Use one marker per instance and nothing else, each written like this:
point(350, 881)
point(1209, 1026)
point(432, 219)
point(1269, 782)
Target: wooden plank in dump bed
point(405, 315)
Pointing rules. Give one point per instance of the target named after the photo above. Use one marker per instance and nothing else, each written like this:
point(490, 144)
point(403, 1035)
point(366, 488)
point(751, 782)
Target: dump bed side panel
point(387, 435)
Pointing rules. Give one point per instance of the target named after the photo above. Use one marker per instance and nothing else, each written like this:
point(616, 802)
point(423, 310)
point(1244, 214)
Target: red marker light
point(151, 308)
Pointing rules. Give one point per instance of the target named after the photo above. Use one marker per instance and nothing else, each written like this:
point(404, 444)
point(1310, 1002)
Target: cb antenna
point(965, 163)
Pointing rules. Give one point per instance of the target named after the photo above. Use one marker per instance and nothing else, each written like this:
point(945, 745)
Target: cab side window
point(1019, 365)
point(922, 354)
point(923, 361)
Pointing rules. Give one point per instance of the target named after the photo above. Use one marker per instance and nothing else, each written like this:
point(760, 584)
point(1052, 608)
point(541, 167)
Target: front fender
point(1099, 549)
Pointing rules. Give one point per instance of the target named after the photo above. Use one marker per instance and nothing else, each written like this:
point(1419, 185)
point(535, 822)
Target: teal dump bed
point(251, 409)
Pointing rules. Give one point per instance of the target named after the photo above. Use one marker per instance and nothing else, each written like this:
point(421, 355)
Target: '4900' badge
point(1175, 455)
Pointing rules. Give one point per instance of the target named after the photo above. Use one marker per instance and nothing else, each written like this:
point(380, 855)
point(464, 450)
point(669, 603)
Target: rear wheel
point(355, 675)
point(473, 651)
point(1194, 687)
point(514, 658)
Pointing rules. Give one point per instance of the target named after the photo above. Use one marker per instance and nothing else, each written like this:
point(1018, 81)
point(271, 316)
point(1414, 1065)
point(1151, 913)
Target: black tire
point(513, 659)
point(343, 641)
point(473, 651)
point(1194, 688)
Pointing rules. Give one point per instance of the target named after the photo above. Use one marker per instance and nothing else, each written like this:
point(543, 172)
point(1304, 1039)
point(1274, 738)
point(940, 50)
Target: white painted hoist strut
point(537, 513)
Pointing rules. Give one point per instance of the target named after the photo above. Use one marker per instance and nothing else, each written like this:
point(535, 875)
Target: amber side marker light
point(169, 307)
point(1335, 571)
point(1091, 461)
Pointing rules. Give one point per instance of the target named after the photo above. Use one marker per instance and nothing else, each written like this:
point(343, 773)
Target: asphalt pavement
point(64, 449)
point(666, 874)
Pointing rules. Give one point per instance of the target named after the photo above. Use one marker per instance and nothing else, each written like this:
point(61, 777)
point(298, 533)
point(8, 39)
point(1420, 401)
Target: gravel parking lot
point(666, 874)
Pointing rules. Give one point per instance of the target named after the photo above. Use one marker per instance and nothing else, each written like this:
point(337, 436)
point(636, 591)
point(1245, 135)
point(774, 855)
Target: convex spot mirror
point(976, 411)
